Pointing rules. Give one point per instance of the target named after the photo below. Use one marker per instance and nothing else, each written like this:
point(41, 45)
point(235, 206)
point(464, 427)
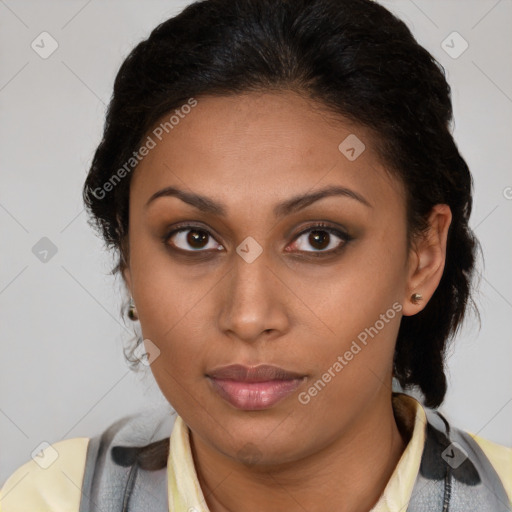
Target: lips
point(259, 373)
point(254, 388)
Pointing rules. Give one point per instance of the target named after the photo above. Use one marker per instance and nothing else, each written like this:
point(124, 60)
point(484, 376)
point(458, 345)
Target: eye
point(322, 238)
point(191, 239)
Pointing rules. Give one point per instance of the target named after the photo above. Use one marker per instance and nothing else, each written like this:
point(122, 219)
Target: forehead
point(261, 145)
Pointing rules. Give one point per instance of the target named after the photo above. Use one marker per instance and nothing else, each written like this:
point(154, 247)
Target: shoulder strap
point(455, 474)
point(115, 479)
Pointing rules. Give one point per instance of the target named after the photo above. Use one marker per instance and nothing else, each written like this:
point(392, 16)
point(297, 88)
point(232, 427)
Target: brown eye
point(321, 239)
point(192, 239)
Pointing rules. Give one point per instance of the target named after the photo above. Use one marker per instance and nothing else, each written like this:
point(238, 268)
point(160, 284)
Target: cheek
point(352, 295)
point(168, 302)
point(178, 369)
point(161, 288)
point(353, 364)
point(359, 313)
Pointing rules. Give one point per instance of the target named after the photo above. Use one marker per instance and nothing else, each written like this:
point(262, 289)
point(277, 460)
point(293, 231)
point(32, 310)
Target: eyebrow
point(294, 204)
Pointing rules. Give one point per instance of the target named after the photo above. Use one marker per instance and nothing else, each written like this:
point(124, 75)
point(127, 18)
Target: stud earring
point(416, 297)
point(132, 311)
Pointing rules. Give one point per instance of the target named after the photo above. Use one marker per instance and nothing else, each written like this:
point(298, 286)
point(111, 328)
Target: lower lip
point(252, 396)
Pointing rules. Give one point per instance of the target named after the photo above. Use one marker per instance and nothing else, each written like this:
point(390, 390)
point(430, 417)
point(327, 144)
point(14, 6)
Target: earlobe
point(427, 261)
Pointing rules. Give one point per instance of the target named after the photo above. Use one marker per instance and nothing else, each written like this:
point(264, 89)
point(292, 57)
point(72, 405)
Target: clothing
point(57, 488)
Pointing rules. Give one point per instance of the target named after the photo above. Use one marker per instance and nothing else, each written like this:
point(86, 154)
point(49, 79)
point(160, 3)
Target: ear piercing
point(132, 311)
point(416, 297)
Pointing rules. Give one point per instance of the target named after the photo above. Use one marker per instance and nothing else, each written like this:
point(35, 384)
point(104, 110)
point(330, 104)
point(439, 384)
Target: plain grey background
point(62, 370)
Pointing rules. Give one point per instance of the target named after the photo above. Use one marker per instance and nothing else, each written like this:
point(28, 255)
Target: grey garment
point(455, 475)
point(110, 486)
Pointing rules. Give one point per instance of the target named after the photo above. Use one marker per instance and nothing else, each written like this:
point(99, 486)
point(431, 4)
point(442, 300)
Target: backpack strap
point(455, 474)
point(115, 479)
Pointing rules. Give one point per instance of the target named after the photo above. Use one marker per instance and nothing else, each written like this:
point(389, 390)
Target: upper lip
point(261, 373)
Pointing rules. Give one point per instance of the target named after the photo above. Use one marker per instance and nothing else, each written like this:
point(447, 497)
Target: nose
point(254, 300)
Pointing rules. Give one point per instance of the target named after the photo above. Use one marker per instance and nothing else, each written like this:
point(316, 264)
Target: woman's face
point(252, 280)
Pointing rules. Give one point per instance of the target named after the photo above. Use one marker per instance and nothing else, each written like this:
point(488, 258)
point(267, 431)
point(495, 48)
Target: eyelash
point(345, 237)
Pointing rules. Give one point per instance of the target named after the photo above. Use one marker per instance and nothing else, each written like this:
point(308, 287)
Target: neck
point(348, 475)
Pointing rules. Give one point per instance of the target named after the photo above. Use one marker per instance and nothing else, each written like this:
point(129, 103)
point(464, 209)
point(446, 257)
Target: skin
point(250, 152)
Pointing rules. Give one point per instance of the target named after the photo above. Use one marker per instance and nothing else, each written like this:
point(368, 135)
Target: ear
point(126, 273)
point(124, 265)
point(127, 278)
point(427, 260)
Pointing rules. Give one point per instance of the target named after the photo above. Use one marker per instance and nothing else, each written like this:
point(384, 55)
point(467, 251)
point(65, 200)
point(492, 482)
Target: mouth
point(254, 388)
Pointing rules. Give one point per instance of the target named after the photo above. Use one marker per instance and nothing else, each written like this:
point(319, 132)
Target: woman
point(290, 212)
